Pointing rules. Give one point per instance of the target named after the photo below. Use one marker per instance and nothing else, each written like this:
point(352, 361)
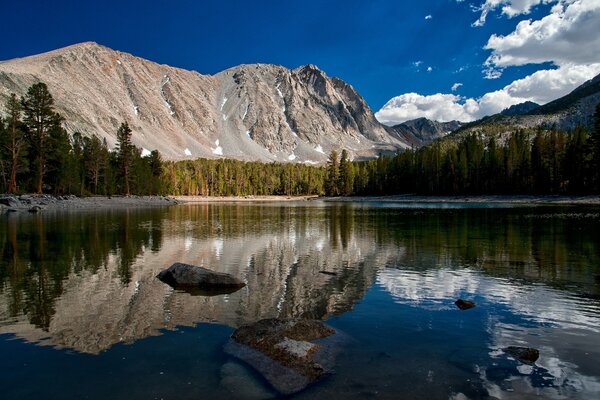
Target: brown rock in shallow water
point(187, 276)
point(464, 304)
point(526, 355)
point(290, 354)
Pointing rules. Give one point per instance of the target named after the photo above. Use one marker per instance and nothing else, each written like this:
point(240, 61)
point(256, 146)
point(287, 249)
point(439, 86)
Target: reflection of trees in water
point(530, 244)
point(41, 251)
point(292, 245)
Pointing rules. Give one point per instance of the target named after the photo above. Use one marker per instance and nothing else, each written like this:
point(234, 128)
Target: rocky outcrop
point(420, 131)
point(252, 112)
point(185, 276)
point(286, 352)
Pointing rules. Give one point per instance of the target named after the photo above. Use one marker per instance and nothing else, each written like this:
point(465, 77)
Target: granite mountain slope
point(252, 112)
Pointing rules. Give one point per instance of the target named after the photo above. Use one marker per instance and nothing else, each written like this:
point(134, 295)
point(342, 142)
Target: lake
point(82, 315)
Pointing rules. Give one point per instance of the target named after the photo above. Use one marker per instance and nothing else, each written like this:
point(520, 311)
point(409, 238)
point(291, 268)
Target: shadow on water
point(85, 281)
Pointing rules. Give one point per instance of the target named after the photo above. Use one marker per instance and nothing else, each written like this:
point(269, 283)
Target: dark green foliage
point(13, 152)
point(225, 177)
point(38, 107)
point(32, 138)
point(333, 175)
point(125, 156)
point(595, 151)
point(550, 163)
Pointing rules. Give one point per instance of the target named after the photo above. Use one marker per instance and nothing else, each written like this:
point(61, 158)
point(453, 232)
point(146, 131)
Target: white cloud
point(568, 35)
point(439, 107)
point(429, 69)
point(417, 63)
point(540, 87)
point(456, 86)
point(428, 16)
point(510, 8)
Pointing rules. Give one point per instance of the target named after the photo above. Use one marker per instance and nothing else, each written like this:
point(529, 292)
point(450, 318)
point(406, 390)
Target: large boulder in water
point(289, 353)
point(191, 277)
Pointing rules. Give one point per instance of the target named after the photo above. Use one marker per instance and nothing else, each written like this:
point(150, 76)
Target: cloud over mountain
point(567, 37)
point(540, 87)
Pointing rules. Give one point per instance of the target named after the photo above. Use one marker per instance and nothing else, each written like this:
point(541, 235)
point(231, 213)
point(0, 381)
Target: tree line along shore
point(38, 155)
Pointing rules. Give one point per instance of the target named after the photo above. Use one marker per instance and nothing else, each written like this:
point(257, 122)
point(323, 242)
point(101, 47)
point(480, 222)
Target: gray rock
point(180, 275)
point(526, 355)
point(291, 354)
point(35, 209)
point(464, 304)
point(9, 201)
point(237, 380)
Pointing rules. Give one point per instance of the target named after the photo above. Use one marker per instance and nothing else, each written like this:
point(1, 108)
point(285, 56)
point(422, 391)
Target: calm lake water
point(83, 317)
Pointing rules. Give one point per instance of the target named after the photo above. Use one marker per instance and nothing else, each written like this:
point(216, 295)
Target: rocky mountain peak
point(254, 111)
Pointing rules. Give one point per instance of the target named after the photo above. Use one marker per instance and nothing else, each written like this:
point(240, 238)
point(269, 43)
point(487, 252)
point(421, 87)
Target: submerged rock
point(242, 383)
point(198, 279)
point(35, 209)
point(527, 355)
point(290, 354)
point(464, 304)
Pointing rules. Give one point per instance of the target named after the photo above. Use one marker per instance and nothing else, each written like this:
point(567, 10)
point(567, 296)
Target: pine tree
point(124, 155)
point(346, 175)
point(38, 107)
point(333, 172)
point(156, 165)
point(595, 150)
point(61, 170)
point(14, 141)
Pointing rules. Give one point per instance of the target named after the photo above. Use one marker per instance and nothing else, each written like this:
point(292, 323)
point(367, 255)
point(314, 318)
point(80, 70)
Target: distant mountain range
point(520, 109)
point(565, 113)
point(420, 131)
point(253, 112)
point(250, 112)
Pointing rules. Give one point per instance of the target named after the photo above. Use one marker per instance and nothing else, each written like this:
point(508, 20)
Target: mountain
point(565, 113)
point(520, 109)
point(420, 131)
point(253, 112)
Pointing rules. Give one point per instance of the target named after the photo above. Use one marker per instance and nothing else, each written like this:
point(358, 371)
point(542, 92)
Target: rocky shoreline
point(34, 203)
point(507, 199)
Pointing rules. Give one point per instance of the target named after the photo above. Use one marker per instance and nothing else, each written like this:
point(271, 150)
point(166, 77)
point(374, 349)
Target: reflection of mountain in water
point(87, 280)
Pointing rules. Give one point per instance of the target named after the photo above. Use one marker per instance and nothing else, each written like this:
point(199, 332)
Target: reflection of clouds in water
point(556, 314)
point(537, 303)
point(218, 247)
point(553, 375)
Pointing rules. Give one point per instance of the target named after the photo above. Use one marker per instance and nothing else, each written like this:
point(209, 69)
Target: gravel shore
point(516, 199)
point(35, 203)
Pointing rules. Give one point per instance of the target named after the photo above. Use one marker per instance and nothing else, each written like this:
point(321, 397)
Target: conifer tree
point(346, 175)
point(333, 172)
point(38, 106)
point(14, 141)
point(595, 150)
point(124, 154)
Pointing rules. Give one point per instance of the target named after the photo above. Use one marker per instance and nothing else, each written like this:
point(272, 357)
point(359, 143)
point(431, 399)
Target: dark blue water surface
point(82, 315)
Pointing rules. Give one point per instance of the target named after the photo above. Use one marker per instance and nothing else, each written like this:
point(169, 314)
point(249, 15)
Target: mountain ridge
point(251, 111)
point(565, 113)
point(421, 131)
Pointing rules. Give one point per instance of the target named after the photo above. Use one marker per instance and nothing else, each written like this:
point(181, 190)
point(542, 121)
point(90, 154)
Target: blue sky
point(384, 48)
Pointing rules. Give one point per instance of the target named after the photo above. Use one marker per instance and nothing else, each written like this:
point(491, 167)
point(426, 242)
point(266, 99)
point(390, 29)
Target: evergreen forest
point(38, 155)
